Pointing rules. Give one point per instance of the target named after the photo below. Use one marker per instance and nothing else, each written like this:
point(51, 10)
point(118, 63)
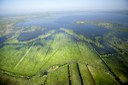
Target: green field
point(61, 60)
point(61, 57)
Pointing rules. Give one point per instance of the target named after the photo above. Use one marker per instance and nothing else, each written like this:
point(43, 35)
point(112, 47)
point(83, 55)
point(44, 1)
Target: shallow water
point(67, 20)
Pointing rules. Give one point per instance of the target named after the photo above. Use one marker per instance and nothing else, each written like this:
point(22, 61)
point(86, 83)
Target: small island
point(80, 22)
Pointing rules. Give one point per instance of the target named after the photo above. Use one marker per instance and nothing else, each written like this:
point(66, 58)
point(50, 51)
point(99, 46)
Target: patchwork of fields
point(34, 55)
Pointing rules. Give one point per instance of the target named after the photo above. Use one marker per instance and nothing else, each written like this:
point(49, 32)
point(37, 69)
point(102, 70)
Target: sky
point(28, 6)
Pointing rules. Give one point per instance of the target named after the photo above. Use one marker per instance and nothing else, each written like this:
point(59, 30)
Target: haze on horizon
point(30, 6)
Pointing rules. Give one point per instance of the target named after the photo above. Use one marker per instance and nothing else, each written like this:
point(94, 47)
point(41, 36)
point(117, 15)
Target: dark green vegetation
point(35, 55)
